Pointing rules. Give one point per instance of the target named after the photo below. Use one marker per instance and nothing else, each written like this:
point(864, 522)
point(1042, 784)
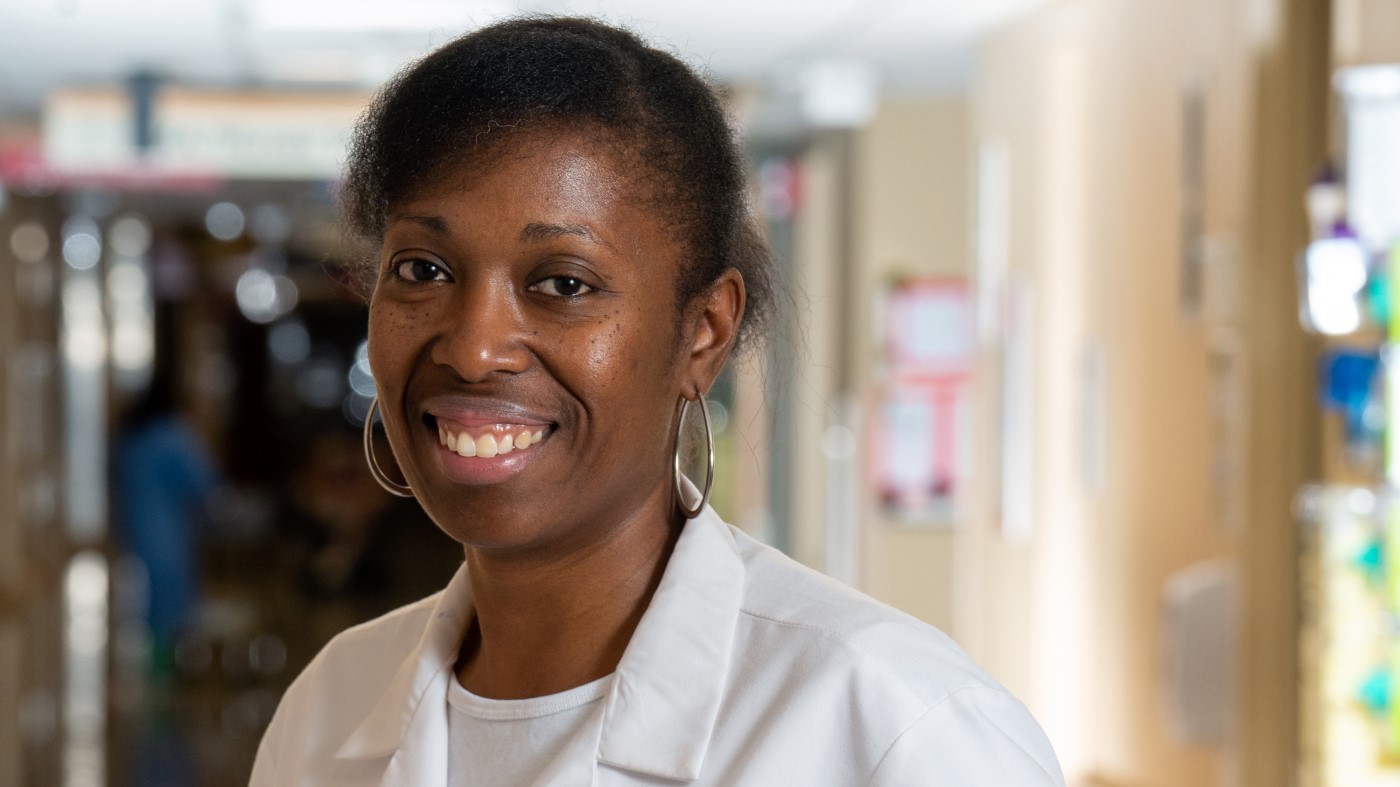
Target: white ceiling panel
point(915, 44)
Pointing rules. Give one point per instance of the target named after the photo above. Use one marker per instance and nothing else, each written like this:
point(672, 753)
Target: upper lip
point(469, 410)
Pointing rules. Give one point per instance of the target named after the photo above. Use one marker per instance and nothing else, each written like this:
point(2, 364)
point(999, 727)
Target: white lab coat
point(746, 669)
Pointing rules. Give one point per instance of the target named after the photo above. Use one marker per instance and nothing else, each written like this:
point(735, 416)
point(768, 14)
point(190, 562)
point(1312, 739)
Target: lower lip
point(477, 470)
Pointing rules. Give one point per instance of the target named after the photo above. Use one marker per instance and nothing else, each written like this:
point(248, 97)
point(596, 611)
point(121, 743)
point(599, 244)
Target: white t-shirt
point(514, 743)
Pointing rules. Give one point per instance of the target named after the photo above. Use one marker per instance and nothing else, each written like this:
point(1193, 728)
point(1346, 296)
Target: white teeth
point(486, 446)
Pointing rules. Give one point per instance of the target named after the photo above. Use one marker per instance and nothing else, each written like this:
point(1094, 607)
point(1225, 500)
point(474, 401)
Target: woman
point(565, 264)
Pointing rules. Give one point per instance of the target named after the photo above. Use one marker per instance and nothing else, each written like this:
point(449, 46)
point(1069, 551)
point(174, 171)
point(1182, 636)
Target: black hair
point(455, 106)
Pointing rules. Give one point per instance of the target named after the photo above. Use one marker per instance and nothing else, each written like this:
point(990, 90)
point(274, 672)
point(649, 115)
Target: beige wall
point(812, 390)
point(904, 181)
point(1366, 31)
point(912, 203)
point(1087, 97)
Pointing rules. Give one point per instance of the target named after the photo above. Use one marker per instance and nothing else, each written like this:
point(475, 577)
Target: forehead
point(562, 179)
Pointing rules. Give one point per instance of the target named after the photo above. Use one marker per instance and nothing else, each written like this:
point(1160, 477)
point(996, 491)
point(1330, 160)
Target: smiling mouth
point(489, 441)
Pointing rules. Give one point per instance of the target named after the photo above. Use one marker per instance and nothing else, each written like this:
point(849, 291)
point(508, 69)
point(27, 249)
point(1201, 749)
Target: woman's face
point(524, 340)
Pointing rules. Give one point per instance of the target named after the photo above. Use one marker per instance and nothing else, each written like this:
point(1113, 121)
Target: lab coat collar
point(665, 696)
point(407, 712)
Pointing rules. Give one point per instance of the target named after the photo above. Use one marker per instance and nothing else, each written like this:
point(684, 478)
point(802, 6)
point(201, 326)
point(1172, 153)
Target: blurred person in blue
point(565, 261)
point(163, 478)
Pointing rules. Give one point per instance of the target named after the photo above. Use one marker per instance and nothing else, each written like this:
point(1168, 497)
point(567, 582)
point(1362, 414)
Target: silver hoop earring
point(691, 513)
point(397, 490)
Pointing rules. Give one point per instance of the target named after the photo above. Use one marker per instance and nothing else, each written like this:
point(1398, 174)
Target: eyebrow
point(537, 231)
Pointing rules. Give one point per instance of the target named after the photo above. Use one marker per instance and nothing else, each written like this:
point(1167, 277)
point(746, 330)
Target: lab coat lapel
point(666, 696)
point(410, 720)
point(422, 755)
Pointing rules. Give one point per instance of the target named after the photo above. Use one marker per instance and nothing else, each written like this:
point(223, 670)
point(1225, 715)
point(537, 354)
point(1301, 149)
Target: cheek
point(612, 349)
point(392, 333)
point(631, 360)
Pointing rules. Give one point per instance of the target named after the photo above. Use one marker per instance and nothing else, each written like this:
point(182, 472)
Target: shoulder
point(922, 702)
point(820, 612)
point(976, 736)
point(345, 680)
point(375, 647)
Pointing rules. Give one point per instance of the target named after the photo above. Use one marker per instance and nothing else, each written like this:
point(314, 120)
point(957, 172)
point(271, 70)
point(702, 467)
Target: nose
point(481, 332)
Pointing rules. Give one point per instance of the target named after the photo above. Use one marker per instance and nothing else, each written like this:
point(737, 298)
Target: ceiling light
point(839, 94)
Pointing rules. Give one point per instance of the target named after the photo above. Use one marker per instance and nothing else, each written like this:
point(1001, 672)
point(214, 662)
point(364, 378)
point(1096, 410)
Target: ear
point(714, 329)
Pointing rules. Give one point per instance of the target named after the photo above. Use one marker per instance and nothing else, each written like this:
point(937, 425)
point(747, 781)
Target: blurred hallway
point(1083, 360)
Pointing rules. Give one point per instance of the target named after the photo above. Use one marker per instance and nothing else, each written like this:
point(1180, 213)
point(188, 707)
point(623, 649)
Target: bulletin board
point(920, 420)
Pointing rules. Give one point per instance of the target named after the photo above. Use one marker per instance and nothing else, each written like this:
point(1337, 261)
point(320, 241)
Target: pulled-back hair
point(455, 108)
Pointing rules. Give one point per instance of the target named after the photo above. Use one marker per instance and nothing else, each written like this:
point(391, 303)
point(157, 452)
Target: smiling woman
point(521, 298)
point(566, 261)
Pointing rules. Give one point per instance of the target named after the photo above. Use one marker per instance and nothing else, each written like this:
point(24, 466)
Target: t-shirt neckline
point(528, 708)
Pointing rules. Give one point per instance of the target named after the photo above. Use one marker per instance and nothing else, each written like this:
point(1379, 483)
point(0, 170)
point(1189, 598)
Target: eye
point(561, 287)
point(420, 270)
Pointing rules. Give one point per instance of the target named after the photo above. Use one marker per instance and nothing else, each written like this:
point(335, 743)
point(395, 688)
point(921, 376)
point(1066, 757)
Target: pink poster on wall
point(920, 415)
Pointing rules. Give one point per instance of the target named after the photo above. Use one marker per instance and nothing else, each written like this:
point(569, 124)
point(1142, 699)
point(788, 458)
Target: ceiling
point(914, 45)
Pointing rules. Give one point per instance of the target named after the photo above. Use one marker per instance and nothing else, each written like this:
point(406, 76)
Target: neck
point(545, 624)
